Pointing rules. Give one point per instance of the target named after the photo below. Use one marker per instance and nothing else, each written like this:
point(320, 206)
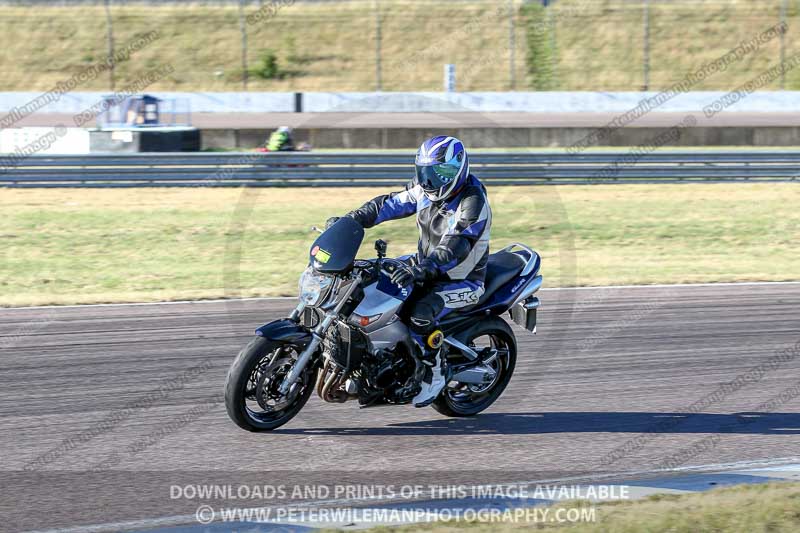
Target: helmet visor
point(433, 177)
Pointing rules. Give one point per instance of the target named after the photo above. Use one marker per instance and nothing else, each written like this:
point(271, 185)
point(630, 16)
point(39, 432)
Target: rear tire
point(252, 380)
point(459, 400)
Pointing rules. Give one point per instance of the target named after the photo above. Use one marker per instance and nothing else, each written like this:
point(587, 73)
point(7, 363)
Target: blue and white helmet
point(442, 167)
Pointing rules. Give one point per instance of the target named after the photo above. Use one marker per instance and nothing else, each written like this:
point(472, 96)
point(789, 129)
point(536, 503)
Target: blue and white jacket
point(453, 234)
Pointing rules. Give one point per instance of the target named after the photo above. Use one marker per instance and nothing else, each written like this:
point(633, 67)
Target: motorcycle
point(348, 340)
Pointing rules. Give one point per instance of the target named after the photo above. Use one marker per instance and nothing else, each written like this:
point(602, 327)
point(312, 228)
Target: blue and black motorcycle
point(347, 338)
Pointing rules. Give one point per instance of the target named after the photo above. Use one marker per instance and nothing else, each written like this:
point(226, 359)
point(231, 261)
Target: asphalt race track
point(105, 410)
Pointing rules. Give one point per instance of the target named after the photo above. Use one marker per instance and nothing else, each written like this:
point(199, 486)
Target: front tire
point(460, 400)
point(251, 396)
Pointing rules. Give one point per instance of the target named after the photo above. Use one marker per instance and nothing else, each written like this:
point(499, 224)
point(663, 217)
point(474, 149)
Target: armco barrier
point(363, 169)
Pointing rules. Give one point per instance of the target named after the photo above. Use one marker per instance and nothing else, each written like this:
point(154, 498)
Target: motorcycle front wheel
point(252, 398)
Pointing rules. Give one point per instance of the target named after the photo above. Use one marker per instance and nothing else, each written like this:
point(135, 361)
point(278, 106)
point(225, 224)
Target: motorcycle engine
point(388, 376)
point(351, 370)
point(343, 349)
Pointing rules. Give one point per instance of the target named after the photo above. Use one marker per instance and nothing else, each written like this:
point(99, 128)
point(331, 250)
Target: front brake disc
point(267, 394)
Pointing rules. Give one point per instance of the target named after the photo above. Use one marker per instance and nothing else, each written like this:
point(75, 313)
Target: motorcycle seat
point(501, 268)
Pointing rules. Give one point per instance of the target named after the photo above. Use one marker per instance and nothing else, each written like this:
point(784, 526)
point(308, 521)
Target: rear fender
point(458, 326)
point(471, 326)
point(287, 332)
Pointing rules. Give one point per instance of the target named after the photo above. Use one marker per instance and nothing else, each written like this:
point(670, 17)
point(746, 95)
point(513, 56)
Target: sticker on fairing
point(322, 256)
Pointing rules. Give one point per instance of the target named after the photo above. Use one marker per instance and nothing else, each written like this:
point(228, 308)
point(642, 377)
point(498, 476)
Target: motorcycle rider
point(454, 219)
point(281, 140)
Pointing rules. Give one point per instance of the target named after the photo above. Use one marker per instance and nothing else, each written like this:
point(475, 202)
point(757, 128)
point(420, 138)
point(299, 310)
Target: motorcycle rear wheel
point(251, 388)
point(460, 400)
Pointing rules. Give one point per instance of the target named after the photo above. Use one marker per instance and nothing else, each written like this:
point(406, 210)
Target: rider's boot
point(433, 378)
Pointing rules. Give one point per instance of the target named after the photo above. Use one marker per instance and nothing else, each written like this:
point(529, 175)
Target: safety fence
point(376, 169)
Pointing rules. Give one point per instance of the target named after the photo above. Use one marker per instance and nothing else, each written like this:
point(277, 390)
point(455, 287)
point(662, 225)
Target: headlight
point(314, 287)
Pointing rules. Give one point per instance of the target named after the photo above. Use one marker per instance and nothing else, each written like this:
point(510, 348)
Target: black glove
point(331, 221)
point(407, 274)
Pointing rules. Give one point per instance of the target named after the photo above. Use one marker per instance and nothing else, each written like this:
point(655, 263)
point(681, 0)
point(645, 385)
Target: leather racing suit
point(453, 246)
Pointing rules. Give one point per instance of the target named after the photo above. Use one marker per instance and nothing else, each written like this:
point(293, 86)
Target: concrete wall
point(233, 135)
point(410, 138)
point(530, 102)
point(543, 102)
point(44, 141)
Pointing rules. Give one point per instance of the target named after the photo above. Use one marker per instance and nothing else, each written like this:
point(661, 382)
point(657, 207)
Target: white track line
point(544, 289)
point(150, 523)
point(138, 304)
point(668, 285)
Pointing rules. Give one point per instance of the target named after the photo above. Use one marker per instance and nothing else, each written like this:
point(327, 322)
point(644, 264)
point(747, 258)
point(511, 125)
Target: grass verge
point(86, 246)
point(770, 507)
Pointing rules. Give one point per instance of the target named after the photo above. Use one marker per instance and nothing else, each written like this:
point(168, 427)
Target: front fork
point(316, 335)
point(295, 315)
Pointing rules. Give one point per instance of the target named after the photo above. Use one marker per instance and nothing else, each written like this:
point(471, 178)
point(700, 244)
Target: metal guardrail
point(255, 169)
